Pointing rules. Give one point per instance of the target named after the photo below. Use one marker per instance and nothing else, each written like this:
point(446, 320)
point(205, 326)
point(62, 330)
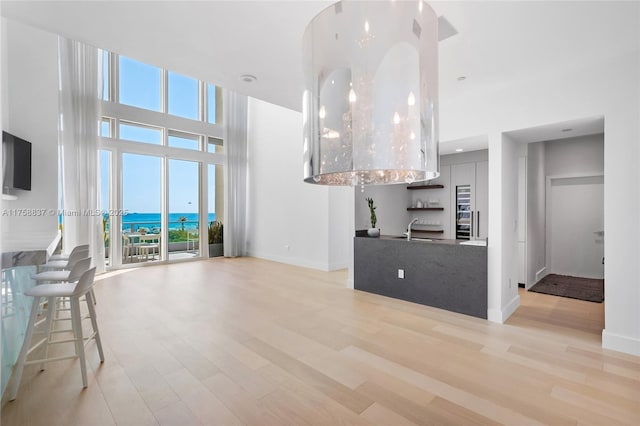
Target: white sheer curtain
point(235, 141)
point(80, 68)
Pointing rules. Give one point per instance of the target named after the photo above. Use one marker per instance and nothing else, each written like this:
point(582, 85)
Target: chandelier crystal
point(370, 104)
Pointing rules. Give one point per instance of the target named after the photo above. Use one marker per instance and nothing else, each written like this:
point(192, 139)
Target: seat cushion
point(52, 276)
point(52, 290)
point(56, 264)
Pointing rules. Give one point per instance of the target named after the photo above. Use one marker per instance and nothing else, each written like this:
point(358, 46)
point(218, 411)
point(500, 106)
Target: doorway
point(561, 225)
point(575, 235)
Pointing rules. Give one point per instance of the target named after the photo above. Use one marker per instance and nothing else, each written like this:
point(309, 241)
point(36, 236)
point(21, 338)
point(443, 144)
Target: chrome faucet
point(409, 228)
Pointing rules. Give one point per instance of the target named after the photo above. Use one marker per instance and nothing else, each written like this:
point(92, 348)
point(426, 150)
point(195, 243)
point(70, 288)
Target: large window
point(140, 85)
point(183, 140)
point(162, 134)
point(183, 96)
point(105, 127)
point(140, 133)
point(215, 145)
point(106, 80)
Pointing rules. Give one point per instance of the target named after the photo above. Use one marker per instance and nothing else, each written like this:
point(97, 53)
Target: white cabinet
point(469, 199)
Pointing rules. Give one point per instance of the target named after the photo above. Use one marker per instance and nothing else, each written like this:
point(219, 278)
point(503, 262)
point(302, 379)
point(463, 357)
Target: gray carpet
point(589, 289)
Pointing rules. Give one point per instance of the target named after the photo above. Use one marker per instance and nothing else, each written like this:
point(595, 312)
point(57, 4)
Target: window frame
point(116, 113)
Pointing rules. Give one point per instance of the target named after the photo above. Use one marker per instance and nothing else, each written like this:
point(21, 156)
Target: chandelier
point(370, 104)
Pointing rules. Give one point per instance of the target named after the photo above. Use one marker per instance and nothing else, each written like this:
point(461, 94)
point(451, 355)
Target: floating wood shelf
point(424, 208)
point(425, 187)
point(428, 231)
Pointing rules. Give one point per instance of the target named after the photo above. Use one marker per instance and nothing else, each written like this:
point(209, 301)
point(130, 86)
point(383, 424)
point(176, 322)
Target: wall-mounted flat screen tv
point(16, 163)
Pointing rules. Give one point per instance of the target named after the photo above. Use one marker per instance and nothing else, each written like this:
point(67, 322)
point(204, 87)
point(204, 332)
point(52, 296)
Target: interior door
point(576, 216)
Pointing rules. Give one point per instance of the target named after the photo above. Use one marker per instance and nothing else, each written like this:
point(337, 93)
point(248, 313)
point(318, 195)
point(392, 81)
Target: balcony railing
point(183, 235)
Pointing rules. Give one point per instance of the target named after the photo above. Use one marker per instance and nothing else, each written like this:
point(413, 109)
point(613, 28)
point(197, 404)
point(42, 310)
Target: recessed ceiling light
point(459, 149)
point(248, 78)
point(462, 78)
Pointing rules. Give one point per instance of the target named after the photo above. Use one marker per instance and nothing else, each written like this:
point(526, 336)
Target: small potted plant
point(216, 243)
point(373, 231)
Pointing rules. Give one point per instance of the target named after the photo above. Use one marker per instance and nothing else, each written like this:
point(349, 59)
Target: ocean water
point(133, 221)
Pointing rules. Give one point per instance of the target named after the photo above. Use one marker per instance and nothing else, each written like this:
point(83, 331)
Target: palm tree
point(182, 220)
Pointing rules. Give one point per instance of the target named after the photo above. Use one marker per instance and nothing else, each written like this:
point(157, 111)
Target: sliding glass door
point(172, 208)
point(142, 200)
point(183, 218)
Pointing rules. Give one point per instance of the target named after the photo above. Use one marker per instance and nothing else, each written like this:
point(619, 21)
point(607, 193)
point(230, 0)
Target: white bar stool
point(53, 291)
point(66, 256)
point(66, 264)
point(66, 276)
point(73, 275)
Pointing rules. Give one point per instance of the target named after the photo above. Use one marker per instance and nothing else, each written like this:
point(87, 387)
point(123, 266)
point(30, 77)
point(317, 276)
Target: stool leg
point(77, 331)
point(22, 357)
point(48, 326)
point(94, 323)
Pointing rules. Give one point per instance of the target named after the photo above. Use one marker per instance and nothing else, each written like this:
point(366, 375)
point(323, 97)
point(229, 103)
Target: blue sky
point(140, 86)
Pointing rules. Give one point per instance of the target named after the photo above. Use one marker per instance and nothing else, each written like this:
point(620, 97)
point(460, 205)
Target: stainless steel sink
point(404, 237)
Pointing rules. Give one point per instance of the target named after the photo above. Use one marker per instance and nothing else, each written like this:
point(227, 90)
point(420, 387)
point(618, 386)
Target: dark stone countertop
point(421, 240)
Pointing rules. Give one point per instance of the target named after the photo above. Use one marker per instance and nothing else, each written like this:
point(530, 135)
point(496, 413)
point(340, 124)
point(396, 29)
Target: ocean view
point(151, 221)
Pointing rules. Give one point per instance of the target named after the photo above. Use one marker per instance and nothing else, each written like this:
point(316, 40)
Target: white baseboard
point(291, 261)
point(334, 266)
point(541, 274)
point(510, 308)
point(494, 315)
point(617, 342)
point(501, 315)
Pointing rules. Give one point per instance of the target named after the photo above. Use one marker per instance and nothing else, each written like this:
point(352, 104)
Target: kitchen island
point(439, 273)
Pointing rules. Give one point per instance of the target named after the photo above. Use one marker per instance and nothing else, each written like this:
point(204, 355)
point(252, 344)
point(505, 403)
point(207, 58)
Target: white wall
point(522, 215)
point(341, 230)
point(291, 221)
point(575, 156)
point(536, 213)
point(4, 80)
point(465, 157)
point(391, 203)
point(509, 229)
point(611, 89)
point(30, 111)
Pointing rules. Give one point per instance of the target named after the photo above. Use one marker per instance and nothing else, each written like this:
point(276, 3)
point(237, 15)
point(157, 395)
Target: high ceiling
point(498, 43)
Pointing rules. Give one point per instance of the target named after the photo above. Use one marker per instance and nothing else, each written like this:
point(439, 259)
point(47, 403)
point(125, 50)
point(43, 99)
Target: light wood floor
point(246, 341)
